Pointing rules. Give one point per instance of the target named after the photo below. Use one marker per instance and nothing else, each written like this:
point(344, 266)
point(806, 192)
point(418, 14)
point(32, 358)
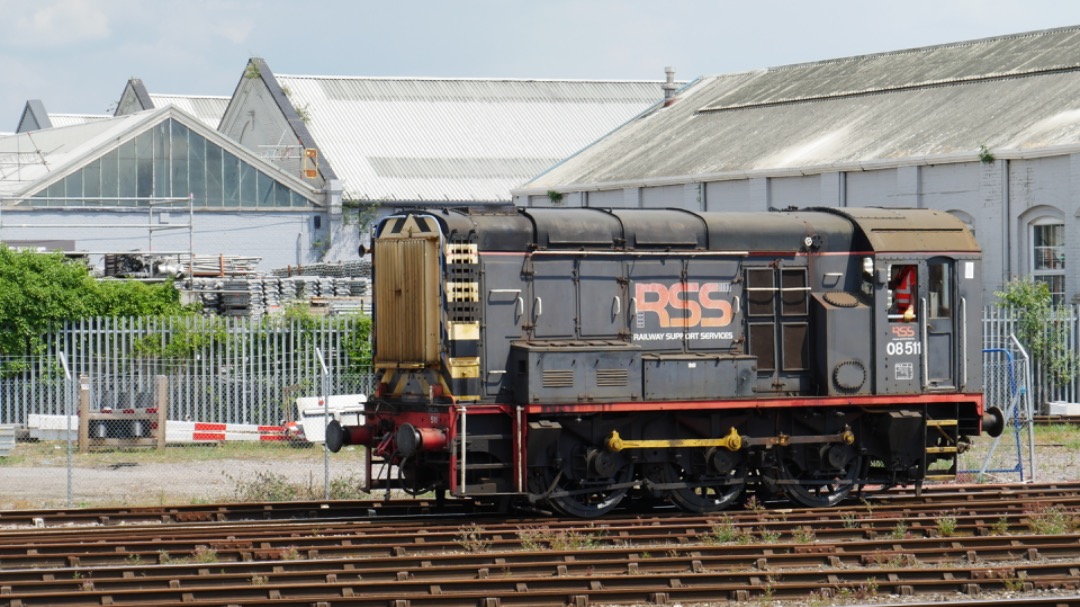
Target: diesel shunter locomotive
point(573, 358)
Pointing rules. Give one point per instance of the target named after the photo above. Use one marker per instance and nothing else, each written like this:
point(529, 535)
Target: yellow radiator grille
point(406, 301)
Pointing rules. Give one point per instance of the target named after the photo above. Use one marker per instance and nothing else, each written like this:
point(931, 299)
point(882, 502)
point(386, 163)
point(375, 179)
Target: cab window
point(903, 292)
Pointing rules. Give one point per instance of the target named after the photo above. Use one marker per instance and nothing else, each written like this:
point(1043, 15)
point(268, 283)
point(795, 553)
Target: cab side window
point(903, 292)
point(940, 303)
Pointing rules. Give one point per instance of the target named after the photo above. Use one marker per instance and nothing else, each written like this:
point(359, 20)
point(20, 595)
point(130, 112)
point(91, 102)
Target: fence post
point(326, 420)
point(161, 401)
point(84, 414)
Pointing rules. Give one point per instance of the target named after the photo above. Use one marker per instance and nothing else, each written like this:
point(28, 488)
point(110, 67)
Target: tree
point(1038, 330)
point(41, 291)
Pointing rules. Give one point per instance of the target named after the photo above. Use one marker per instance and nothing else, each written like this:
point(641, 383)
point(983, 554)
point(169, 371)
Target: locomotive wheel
point(588, 482)
point(826, 486)
point(721, 474)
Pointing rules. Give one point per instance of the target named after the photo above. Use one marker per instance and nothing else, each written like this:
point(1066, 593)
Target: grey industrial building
point(988, 130)
point(288, 168)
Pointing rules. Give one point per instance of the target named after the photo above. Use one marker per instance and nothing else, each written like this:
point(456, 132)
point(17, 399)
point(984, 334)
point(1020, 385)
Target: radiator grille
point(406, 302)
point(558, 378)
point(612, 378)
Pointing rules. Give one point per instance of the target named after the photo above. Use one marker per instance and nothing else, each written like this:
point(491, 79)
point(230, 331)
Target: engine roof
point(828, 229)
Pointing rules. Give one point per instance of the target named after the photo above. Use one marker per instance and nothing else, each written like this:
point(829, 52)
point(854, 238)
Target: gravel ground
point(39, 477)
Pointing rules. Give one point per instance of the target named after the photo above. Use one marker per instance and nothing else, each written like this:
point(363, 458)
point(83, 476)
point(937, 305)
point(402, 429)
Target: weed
point(725, 531)
point(133, 559)
point(1011, 581)
point(471, 539)
point(291, 553)
point(850, 520)
point(573, 540)
point(755, 505)
point(804, 535)
point(820, 597)
point(946, 525)
point(532, 538)
point(1000, 526)
point(204, 554)
point(1045, 519)
point(259, 580)
point(164, 558)
point(770, 536)
point(537, 538)
point(899, 532)
point(867, 589)
point(271, 487)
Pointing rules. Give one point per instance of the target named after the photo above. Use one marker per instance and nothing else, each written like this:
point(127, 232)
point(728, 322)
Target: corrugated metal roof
point(1011, 93)
point(72, 119)
point(27, 157)
point(207, 108)
point(419, 139)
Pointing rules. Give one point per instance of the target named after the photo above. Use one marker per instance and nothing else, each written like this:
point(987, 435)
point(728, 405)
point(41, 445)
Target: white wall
point(999, 198)
point(280, 238)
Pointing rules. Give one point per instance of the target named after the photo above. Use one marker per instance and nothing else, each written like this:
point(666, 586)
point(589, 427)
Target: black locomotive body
point(573, 357)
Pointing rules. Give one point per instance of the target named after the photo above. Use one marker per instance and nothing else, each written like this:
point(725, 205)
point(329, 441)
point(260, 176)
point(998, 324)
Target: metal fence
point(220, 369)
point(999, 323)
point(243, 371)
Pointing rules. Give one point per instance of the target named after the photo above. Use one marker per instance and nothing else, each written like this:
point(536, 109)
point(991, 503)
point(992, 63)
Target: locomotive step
point(937, 423)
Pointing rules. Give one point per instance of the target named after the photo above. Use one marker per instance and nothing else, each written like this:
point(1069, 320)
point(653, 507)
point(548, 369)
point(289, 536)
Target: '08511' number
point(903, 348)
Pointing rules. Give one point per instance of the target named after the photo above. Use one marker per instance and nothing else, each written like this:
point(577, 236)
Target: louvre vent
point(612, 378)
point(558, 378)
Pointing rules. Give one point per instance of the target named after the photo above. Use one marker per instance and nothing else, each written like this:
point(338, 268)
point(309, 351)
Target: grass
point(543, 537)
point(54, 454)
point(254, 471)
point(1046, 519)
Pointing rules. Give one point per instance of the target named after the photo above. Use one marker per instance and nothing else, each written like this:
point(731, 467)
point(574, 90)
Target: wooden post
point(84, 414)
point(162, 401)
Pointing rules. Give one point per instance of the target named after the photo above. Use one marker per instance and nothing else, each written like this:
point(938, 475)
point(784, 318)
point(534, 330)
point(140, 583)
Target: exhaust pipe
point(993, 422)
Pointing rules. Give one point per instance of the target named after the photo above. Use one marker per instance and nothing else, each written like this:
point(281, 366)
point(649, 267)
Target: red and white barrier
point(177, 432)
point(59, 427)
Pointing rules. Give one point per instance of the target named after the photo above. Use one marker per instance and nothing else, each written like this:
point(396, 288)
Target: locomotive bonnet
point(574, 358)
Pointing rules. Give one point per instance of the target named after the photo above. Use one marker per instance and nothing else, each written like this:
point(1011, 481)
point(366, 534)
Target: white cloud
point(60, 23)
point(237, 32)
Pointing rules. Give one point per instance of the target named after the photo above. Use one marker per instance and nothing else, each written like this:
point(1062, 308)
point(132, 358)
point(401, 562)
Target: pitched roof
point(207, 108)
point(35, 117)
point(440, 139)
point(31, 161)
point(1011, 94)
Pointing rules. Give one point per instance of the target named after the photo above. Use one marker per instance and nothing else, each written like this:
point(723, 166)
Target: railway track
point(370, 509)
point(957, 542)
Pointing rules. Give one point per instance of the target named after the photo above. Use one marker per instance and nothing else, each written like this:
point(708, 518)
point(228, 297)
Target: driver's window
point(903, 292)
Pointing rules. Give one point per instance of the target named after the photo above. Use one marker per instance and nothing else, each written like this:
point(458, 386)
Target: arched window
point(1046, 236)
point(968, 220)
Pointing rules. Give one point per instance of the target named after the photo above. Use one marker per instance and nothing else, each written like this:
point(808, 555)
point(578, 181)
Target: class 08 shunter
point(574, 358)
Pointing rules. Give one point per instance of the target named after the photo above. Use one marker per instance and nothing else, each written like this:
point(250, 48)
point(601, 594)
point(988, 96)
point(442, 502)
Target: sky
point(77, 55)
